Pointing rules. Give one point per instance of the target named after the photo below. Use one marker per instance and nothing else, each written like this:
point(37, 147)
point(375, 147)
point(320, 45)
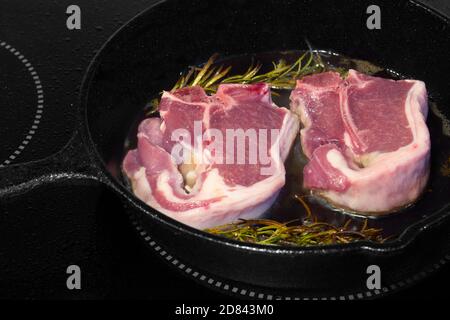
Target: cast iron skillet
point(147, 54)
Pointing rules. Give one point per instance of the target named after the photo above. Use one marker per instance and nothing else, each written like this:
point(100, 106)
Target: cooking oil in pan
point(288, 208)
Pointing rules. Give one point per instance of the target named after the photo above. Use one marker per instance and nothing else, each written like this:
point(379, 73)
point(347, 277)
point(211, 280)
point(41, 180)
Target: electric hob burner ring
point(39, 91)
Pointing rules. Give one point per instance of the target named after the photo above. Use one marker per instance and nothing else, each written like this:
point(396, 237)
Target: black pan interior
point(147, 56)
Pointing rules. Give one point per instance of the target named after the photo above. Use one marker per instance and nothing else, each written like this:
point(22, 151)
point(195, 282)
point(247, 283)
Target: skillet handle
point(72, 163)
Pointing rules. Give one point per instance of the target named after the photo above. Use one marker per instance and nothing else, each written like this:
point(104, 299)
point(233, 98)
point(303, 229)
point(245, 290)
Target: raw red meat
point(202, 193)
point(366, 139)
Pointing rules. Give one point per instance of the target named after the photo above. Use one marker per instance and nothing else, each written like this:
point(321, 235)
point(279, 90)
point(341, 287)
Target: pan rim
point(408, 235)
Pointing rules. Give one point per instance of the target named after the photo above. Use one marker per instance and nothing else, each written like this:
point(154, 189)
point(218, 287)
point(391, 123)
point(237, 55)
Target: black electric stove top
point(42, 63)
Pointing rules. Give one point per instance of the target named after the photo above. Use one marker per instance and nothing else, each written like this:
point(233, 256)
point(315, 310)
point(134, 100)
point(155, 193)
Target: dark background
point(40, 235)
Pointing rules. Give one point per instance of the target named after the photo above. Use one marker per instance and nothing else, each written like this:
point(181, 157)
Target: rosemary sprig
point(282, 76)
point(294, 233)
point(263, 231)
